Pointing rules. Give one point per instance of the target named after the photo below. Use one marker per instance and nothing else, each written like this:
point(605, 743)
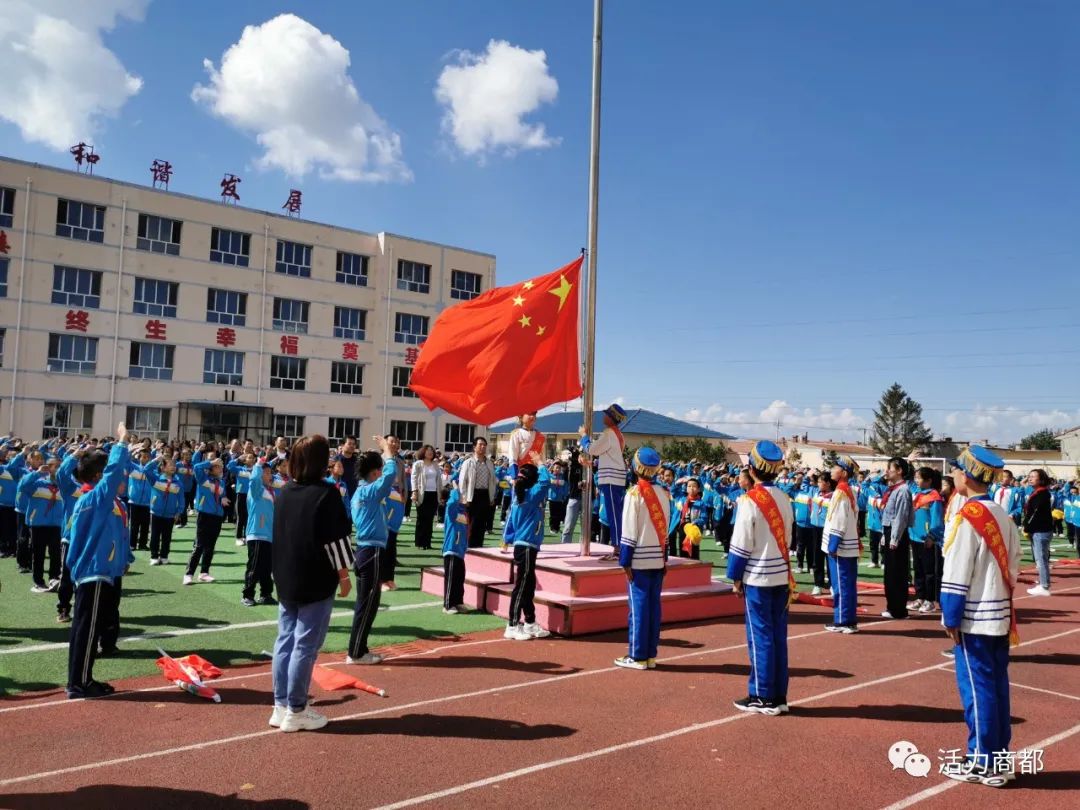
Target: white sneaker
point(1039, 590)
point(188, 579)
point(450, 611)
point(366, 658)
point(886, 615)
point(927, 607)
point(205, 578)
point(462, 608)
point(307, 720)
point(163, 560)
point(816, 591)
point(870, 565)
point(535, 630)
point(918, 603)
point(239, 542)
point(39, 589)
point(629, 663)
point(278, 715)
point(155, 561)
point(516, 632)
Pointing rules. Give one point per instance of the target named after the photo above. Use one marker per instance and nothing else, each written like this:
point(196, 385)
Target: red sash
point(986, 526)
point(924, 499)
point(767, 504)
point(537, 447)
point(656, 513)
point(619, 436)
point(844, 489)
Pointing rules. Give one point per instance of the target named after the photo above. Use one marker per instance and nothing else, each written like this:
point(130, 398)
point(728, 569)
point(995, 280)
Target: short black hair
point(369, 460)
point(902, 465)
point(479, 439)
point(91, 466)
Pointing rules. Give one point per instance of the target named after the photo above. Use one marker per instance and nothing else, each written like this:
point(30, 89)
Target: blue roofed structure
point(639, 422)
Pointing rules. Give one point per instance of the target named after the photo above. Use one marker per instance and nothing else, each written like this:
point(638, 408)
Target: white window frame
point(51, 427)
point(288, 373)
point(158, 234)
point(89, 224)
point(81, 352)
point(341, 427)
point(413, 276)
point(220, 373)
point(153, 305)
point(340, 373)
point(400, 377)
point(465, 293)
point(149, 360)
point(293, 259)
point(348, 273)
point(68, 283)
point(409, 433)
point(291, 315)
point(350, 323)
point(410, 337)
point(215, 296)
point(232, 253)
point(459, 437)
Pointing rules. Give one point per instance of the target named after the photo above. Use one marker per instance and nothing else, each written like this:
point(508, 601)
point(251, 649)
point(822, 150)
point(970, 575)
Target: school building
point(194, 318)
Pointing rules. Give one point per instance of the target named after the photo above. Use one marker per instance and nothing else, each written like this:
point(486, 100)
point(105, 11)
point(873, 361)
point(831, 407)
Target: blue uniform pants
point(982, 676)
point(613, 503)
point(766, 637)
point(645, 588)
point(844, 573)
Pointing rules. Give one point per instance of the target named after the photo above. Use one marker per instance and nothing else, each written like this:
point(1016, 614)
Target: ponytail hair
point(527, 477)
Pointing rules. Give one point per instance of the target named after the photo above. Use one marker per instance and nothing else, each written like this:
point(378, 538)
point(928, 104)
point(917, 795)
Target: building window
point(76, 288)
point(155, 297)
point(342, 427)
point(413, 276)
point(351, 269)
point(346, 378)
point(223, 367)
point(293, 259)
point(65, 418)
point(288, 373)
point(226, 306)
point(151, 361)
point(152, 422)
point(72, 354)
point(290, 315)
point(349, 323)
point(400, 382)
point(459, 438)
point(78, 220)
point(3, 334)
point(7, 207)
point(230, 247)
point(410, 329)
point(410, 434)
point(158, 235)
point(288, 425)
point(464, 286)
point(3, 277)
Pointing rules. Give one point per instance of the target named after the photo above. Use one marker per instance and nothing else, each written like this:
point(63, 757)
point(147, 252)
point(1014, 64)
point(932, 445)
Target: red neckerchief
point(924, 499)
point(1034, 492)
point(690, 499)
point(888, 494)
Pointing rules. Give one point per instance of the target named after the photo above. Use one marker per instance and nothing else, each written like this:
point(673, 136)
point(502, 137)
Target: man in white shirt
point(477, 483)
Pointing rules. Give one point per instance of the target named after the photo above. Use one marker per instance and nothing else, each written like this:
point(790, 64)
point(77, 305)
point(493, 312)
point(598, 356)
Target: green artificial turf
point(154, 601)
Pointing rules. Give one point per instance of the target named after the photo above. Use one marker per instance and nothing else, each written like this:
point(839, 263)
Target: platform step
point(476, 585)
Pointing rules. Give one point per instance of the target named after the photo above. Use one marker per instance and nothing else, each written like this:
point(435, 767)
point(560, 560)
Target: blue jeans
point(1040, 549)
point(573, 510)
point(301, 633)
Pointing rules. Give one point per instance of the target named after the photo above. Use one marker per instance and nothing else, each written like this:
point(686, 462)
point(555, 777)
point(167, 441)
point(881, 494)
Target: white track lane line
point(543, 766)
point(949, 784)
point(490, 691)
point(195, 631)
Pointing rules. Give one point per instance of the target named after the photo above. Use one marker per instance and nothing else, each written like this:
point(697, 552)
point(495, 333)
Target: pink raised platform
point(577, 595)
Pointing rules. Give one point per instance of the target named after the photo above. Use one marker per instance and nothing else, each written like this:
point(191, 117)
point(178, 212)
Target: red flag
point(510, 351)
point(331, 680)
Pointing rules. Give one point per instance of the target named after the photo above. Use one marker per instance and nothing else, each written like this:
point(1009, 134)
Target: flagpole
point(590, 307)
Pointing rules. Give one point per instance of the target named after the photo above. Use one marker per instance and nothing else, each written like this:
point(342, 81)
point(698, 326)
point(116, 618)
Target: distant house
point(641, 427)
point(1070, 444)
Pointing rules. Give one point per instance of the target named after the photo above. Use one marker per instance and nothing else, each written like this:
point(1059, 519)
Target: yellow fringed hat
point(979, 463)
point(766, 457)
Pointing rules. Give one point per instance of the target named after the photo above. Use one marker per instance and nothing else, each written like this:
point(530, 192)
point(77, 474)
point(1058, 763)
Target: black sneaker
point(93, 689)
point(63, 617)
point(23, 569)
point(246, 602)
point(756, 705)
point(950, 653)
point(105, 688)
point(834, 628)
point(267, 600)
point(108, 652)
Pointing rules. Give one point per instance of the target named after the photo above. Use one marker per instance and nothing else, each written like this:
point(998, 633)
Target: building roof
point(638, 422)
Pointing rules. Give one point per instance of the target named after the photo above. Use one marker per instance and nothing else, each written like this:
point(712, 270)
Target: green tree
point(898, 424)
point(1040, 440)
point(830, 459)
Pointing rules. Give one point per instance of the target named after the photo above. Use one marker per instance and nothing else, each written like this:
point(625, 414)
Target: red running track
point(481, 721)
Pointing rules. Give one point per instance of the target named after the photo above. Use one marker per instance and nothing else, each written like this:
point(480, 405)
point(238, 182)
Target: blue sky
point(800, 203)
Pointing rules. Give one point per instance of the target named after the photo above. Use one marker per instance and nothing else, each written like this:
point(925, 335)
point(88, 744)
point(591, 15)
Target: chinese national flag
point(510, 351)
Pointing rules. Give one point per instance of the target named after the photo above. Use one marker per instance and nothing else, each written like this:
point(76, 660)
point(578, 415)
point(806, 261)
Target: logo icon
point(903, 755)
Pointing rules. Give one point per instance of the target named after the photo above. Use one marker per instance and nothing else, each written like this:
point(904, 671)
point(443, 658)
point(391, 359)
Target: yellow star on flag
point(525, 321)
point(519, 301)
point(540, 331)
point(528, 285)
point(562, 291)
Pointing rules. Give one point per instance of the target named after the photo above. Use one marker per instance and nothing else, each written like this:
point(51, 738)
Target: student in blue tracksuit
point(377, 475)
point(185, 469)
point(99, 553)
point(241, 471)
point(926, 534)
point(259, 534)
point(873, 488)
point(558, 495)
point(70, 490)
point(525, 531)
point(44, 514)
point(819, 508)
point(33, 460)
point(455, 542)
point(337, 480)
point(210, 503)
point(139, 503)
point(801, 500)
point(167, 503)
point(690, 509)
point(11, 470)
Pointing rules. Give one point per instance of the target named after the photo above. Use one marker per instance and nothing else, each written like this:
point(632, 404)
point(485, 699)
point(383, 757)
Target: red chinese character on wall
point(290, 344)
point(350, 351)
point(226, 336)
point(292, 205)
point(412, 354)
point(155, 330)
point(84, 154)
point(161, 171)
point(228, 187)
point(4, 245)
point(77, 320)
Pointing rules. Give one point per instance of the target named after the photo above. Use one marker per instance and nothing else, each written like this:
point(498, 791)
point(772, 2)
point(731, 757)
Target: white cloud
point(59, 79)
point(1004, 424)
point(832, 423)
point(487, 95)
point(288, 82)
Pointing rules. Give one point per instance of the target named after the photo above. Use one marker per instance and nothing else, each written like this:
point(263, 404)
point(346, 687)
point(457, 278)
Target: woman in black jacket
point(312, 559)
point(1039, 526)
